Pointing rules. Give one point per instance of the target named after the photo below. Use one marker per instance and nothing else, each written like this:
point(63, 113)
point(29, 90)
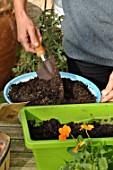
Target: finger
point(109, 86)
point(27, 46)
point(107, 97)
point(111, 100)
point(39, 34)
point(13, 11)
point(33, 38)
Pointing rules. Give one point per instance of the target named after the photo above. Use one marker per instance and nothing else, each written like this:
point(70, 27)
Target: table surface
point(21, 157)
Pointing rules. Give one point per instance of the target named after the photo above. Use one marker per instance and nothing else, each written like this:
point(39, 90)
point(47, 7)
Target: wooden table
point(21, 157)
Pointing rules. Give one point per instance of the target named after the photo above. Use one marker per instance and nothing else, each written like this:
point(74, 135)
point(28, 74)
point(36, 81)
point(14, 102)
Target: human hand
point(107, 93)
point(27, 33)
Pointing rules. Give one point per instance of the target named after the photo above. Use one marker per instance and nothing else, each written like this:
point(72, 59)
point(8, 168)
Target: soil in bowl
point(48, 129)
point(42, 92)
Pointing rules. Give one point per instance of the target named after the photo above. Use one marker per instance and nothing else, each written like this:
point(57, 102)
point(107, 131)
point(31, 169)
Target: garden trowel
point(49, 69)
point(46, 72)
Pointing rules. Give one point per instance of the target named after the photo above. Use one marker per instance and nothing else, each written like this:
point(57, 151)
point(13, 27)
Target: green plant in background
point(26, 63)
point(86, 156)
point(50, 26)
point(48, 23)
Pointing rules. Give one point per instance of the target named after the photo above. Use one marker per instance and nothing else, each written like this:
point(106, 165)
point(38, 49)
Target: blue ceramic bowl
point(25, 77)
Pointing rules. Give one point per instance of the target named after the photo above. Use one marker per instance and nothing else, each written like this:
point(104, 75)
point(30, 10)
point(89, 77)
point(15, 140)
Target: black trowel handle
point(40, 49)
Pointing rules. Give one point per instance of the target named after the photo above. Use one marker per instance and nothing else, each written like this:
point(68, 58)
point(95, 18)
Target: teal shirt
point(88, 30)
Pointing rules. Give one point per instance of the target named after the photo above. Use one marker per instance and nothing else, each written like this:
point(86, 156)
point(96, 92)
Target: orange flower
point(64, 132)
point(87, 127)
point(62, 137)
point(78, 146)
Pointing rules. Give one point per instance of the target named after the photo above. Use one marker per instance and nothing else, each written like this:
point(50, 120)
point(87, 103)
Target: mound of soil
point(49, 130)
point(42, 92)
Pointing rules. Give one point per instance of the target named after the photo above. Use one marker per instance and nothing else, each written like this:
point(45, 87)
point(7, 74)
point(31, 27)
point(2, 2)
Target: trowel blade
point(46, 72)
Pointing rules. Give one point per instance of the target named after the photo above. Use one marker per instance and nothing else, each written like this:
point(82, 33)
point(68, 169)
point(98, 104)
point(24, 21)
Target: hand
point(27, 33)
point(107, 93)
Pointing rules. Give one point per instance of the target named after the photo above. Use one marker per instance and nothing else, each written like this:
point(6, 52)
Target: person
point(87, 41)
point(25, 27)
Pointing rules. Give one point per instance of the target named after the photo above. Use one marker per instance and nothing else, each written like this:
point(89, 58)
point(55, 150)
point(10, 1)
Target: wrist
point(20, 8)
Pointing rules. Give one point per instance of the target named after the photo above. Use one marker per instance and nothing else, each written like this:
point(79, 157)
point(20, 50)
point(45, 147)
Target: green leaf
point(61, 168)
point(38, 122)
point(77, 155)
point(79, 138)
point(102, 151)
point(87, 166)
point(87, 154)
point(103, 165)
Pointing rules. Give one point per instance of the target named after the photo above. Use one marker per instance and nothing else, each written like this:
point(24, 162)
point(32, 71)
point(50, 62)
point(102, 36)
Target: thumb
point(33, 38)
point(109, 86)
point(106, 91)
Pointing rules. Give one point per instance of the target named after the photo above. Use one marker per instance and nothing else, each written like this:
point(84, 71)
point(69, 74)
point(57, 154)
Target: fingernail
point(36, 44)
point(104, 92)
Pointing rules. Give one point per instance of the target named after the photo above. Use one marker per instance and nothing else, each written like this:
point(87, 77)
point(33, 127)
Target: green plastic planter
point(51, 154)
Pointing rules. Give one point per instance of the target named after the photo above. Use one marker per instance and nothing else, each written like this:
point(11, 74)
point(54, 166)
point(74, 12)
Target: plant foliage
point(87, 156)
point(49, 24)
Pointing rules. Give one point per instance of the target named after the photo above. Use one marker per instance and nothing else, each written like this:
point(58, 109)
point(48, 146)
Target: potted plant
point(86, 155)
point(52, 154)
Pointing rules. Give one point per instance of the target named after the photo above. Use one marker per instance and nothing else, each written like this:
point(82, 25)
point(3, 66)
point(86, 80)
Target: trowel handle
point(40, 49)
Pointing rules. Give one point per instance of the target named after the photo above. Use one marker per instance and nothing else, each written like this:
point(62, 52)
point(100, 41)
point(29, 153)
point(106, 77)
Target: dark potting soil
point(42, 92)
point(49, 130)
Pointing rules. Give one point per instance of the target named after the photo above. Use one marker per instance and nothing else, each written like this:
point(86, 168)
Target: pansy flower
point(86, 127)
point(64, 132)
point(78, 146)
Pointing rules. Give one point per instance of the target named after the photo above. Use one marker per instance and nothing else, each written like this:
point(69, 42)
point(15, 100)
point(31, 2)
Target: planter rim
point(69, 142)
point(52, 154)
point(25, 77)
